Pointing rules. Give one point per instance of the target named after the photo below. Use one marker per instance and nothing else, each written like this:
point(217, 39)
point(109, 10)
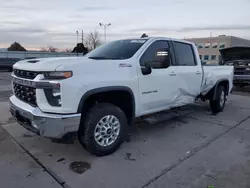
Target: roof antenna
point(144, 35)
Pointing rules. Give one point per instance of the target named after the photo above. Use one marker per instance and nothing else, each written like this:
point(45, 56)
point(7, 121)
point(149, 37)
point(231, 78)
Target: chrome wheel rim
point(222, 98)
point(107, 130)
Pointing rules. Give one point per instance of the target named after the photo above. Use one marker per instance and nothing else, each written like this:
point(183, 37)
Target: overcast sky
point(39, 23)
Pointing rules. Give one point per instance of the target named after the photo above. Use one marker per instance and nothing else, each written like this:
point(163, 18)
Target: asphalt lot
point(5, 87)
point(186, 148)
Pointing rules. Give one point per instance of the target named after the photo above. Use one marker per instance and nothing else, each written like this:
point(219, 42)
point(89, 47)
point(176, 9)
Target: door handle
point(198, 72)
point(172, 74)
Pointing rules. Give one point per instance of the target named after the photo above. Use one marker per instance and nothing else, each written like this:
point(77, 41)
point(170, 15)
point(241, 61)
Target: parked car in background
point(7, 63)
point(28, 58)
point(239, 57)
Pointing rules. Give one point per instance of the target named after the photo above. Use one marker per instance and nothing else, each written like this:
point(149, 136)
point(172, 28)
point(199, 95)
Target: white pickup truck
point(98, 95)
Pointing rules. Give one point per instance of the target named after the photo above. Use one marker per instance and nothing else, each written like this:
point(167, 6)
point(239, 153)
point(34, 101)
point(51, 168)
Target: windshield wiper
point(99, 58)
point(113, 58)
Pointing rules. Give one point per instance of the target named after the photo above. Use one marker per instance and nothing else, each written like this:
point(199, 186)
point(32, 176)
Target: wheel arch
point(220, 82)
point(107, 89)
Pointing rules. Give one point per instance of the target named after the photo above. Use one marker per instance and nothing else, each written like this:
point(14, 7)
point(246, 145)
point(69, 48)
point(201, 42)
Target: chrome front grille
point(25, 93)
point(25, 74)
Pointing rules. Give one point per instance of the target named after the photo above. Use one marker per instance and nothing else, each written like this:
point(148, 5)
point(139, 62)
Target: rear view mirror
point(162, 60)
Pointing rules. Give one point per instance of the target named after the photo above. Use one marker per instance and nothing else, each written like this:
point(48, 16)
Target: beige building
point(209, 47)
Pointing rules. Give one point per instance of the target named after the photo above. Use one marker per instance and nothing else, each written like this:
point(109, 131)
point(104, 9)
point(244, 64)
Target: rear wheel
point(218, 104)
point(103, 129)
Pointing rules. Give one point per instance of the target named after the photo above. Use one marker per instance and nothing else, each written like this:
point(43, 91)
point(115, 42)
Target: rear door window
point(184, 54)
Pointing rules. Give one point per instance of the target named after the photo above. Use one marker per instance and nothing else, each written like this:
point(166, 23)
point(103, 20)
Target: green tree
point(16, 47)
point(80, 48)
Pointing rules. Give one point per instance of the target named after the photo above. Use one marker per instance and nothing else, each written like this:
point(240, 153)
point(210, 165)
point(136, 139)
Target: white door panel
point(189, 74)
point(192, 77)
point(158, 89)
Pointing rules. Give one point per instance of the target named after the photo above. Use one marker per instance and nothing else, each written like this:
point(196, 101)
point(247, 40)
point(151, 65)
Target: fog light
point(53, 95)
point(56, 92)
point(59, 101)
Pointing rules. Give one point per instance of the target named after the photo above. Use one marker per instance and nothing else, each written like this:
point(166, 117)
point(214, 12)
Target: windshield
point(121, 49)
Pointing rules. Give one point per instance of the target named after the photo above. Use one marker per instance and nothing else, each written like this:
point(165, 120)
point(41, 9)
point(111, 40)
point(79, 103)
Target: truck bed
point(212, 74)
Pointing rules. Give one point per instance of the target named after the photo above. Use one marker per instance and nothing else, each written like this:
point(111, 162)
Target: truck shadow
point(165, 121)
point(245, 91)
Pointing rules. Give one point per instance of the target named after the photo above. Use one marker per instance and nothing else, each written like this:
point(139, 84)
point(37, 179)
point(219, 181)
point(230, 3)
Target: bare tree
point(49, 49)
point(52, 49)
point(42, 49)
point(93, 40)
point(67, 50)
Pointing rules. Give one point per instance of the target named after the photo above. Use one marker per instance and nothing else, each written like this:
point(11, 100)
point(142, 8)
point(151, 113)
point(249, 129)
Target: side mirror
point(161, 61)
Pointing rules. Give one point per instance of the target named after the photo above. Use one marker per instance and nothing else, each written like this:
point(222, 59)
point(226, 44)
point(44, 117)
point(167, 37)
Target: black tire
point(89, 123)
point(217, 105)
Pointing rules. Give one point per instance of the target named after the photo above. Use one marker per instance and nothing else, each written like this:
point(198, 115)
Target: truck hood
point(235, 53)
point(45, 64)
point(76, 64)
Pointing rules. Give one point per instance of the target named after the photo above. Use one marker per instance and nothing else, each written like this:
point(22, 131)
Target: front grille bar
point(25, 74)
point(25, 93)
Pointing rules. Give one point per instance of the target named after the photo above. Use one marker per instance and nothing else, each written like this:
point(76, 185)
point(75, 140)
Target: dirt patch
point(10, 120)
point(60, 160)
point(28, 135)
point(79, 167)
point(128, 157)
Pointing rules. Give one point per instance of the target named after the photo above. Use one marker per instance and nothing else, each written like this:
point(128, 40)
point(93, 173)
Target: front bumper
point(44, 124)
point(241, 79)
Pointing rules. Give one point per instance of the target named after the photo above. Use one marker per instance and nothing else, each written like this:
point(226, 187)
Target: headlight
point(58, 75)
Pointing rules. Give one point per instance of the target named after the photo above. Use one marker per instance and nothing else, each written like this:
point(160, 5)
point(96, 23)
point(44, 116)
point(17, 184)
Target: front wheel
point(218, 104)
point(103, 129)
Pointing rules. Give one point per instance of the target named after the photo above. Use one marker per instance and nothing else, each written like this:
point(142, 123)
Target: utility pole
point(105, 26)
point(77, 42)
point(77, 33)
